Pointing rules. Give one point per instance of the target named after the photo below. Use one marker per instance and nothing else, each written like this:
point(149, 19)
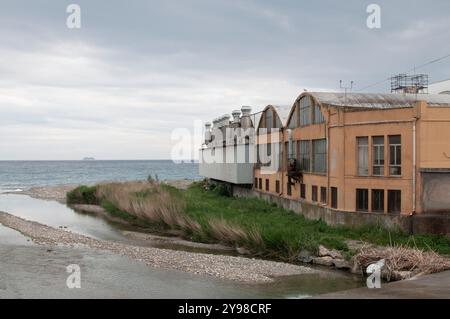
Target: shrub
point(83, 195)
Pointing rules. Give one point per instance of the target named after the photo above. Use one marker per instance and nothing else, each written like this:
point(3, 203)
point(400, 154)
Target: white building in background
point(441, 87)
point(228, 152)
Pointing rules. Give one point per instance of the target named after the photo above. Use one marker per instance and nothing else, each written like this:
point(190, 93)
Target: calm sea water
point(19, 175)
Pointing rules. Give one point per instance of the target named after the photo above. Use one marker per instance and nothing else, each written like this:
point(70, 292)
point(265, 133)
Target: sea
point(16, 176)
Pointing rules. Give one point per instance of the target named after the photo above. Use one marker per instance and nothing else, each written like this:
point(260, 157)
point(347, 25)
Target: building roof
point(283, 112)
point(378, 100)
point(440, 87)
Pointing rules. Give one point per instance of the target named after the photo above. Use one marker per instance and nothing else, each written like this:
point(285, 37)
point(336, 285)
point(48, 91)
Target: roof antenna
point(345, 88)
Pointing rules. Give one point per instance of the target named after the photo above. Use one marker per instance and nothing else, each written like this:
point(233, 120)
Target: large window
point(267, 185)
point(293, 123)
point(320, 156)
point(363, 156)
point(318, 116)
point(362, 200)
point(395, 155)
point(305, 156)
point(277, 186)
point(378, 200)
point(378, 155)
point(305, 111)
point(394, 201)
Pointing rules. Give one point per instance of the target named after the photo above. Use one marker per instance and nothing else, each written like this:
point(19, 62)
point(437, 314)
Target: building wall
point(415, 224)
point(341, 129)
point(235, 170)
point(369, 124)
point(433, 159)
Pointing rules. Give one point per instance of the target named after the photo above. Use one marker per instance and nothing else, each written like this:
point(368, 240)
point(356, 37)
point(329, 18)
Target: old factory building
point(348, 152)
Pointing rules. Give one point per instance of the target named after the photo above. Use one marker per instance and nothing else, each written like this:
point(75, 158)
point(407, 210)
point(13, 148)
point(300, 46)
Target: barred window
point(305, 156)
point(378, 200)
point(362, 200)
point(394, 201)
point(320, 156)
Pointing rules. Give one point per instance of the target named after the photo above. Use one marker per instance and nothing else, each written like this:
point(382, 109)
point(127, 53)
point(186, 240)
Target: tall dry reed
point(149, 201)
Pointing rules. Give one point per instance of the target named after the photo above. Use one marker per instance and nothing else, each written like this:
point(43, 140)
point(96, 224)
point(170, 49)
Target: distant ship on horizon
point(88, 159)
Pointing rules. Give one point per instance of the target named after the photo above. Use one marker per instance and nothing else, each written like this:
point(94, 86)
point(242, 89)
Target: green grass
point(283, 233)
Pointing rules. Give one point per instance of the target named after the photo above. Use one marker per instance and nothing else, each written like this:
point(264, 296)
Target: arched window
point(310, 113)
point(293, 122)
point(269, 118)
point(305, 111)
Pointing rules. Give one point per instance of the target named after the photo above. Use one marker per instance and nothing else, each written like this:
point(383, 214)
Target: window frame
point(377, 208)
point(323, 195)
point(378, 156)
point(305, 157)
point(358, 155)
point(314, 195)
point(397, 199)
point(395, 162)
point(305, 111)
point(365, 200)
point(323, 156)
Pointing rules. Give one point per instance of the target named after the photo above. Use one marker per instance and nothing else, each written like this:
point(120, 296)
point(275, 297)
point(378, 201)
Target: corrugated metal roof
point(378, 100)
point(283, 112)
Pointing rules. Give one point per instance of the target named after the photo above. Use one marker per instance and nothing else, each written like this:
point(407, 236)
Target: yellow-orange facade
point(380, 153)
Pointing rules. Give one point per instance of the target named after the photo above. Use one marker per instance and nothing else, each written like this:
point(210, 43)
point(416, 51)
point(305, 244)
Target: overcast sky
point(116, 88)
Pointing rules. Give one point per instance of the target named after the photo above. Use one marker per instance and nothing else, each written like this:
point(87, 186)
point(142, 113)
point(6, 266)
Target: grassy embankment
point(209, 216)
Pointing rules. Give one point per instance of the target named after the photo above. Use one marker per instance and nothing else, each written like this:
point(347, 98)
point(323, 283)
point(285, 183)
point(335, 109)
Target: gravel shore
point(58, 192)
point(225, 267)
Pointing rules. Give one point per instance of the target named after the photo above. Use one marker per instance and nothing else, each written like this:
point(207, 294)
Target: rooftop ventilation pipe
point(246, 121)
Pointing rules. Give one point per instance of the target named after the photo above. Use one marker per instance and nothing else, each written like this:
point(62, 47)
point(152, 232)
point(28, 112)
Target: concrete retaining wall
point(436, 224)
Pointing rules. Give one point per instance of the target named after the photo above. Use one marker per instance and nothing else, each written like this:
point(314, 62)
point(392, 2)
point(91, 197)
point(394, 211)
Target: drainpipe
point(327, 133)
point(283, 165)
point(414, 168)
